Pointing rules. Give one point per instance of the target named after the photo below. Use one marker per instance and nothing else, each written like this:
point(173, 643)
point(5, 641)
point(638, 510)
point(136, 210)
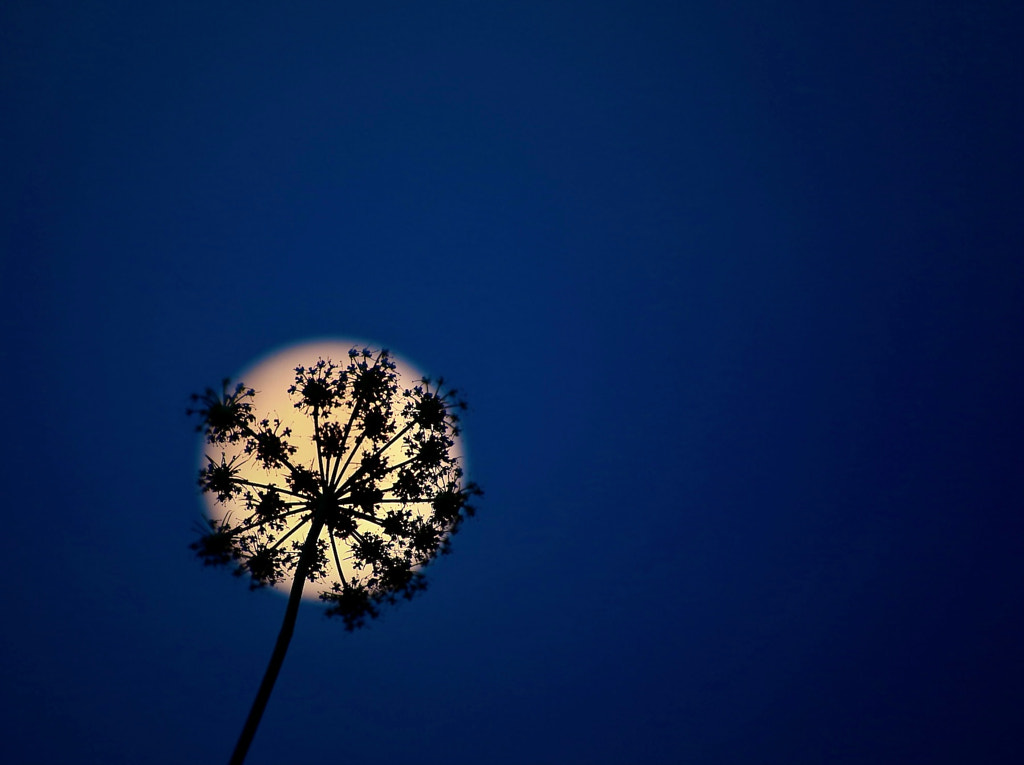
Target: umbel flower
point(376, 497)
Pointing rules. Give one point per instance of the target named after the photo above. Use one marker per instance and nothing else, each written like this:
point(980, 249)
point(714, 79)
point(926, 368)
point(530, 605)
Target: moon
point(270, 377)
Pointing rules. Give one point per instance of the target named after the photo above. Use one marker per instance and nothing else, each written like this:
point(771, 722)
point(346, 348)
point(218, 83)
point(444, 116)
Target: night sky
point(735, 292)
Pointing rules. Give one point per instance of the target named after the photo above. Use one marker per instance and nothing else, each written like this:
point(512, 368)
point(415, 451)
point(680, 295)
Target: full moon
point(271, 377)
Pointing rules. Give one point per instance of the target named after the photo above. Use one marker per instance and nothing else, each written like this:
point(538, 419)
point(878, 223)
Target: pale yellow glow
point(270, 378)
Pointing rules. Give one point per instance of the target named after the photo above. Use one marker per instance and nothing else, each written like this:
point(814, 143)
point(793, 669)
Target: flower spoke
point(339, 474)
point(379, 453)
point(272, 487)
point(258, 522)
point(337, 561)
point(343, 441)
point(291, 531)
point(316, 441)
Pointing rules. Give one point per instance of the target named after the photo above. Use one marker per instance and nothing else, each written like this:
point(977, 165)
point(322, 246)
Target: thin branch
point(348, 461)
point(359, 536)
point(348, 482)
point(255, 520)
point(316, 439)
point(344, 440)
point(268, 486)
point(337, 560)
point(291, 531)
point(366, 517)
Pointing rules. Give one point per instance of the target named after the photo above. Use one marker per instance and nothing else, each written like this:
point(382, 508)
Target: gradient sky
point(735, 291)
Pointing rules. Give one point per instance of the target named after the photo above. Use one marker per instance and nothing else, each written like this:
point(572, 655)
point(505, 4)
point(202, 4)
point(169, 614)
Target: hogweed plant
point(377, 498)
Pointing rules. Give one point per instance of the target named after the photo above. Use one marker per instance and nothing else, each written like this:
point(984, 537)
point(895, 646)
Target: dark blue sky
point(735, 291)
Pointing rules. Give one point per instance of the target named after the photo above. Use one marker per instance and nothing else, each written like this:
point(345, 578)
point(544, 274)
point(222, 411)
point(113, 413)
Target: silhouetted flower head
point(378, 497)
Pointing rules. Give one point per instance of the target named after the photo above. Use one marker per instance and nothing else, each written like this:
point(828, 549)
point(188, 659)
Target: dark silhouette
point(380, 500)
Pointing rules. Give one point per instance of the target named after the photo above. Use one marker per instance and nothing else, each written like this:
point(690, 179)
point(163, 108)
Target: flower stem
point(281, 647)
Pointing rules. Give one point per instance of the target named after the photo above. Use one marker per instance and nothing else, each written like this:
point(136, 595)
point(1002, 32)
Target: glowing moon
point(271, 377)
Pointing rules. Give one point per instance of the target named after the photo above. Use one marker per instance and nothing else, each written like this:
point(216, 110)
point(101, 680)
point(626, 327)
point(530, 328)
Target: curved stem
point(280, 648)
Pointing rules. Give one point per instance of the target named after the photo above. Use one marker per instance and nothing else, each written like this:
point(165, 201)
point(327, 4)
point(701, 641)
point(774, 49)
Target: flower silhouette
point(360, 509)
point(380, 498)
